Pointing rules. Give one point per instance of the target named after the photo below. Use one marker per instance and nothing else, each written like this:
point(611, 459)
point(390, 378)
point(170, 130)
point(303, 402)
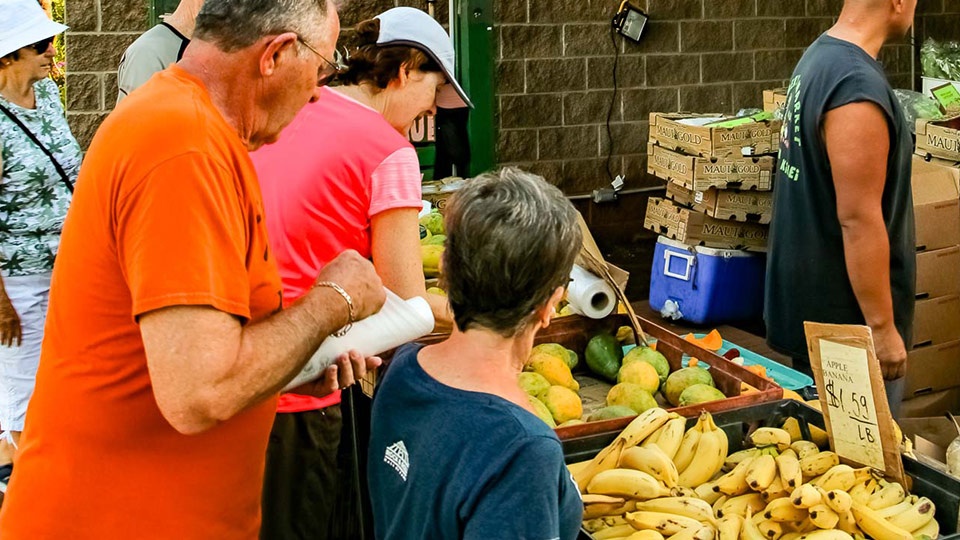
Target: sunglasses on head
point(42, 45)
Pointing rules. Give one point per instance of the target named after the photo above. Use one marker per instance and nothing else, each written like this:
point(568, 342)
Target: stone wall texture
point(556, 73)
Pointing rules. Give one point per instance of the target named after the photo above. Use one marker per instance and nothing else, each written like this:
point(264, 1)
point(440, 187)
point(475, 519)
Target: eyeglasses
point(327, 72)
point(42, 45)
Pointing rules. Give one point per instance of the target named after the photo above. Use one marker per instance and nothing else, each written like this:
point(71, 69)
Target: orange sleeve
point(182, 238)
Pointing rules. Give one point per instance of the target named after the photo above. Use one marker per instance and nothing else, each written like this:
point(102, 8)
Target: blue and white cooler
point(706, 285)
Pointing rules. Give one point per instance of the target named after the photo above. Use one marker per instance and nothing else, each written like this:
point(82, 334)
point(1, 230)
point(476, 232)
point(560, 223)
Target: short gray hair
point(512, 239)
point(236, 24)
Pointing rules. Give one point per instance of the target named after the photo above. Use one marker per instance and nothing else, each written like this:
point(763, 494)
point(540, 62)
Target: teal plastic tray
point(784, 376)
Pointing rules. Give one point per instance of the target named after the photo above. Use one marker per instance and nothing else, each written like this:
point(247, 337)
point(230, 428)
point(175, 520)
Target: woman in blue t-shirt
point(455, 450)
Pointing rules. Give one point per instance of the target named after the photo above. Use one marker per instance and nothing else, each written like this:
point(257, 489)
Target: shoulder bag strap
point(36, 141)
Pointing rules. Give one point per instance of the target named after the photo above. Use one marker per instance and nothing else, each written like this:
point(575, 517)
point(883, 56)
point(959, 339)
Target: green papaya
point(604, 356)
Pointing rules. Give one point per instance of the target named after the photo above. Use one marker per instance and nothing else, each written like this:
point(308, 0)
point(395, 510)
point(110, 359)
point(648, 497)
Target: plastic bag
point(940, 60)
point(953, 457)
point(918, 106)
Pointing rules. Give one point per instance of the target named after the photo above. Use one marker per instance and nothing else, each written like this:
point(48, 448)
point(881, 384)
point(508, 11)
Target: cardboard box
point(938, 273)
point(746, 206)
point(438, 192)
point(932, 369)
point(678, 131)
point(774, 99)
point(935, 404)
point(938, 138)
point(931, 436)
point(936, 204)
point(936, 321)
point(697, 229)
point(700, 174)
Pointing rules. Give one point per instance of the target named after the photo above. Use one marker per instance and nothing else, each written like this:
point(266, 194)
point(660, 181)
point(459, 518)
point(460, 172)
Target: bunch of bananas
point(657, 480)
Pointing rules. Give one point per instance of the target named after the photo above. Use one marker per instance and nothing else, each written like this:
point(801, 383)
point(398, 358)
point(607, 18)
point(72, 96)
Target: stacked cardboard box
point(933, 366)
point(719, 179)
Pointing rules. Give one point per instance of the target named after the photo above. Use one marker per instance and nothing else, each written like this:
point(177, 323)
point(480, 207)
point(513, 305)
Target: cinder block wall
point(556, 74)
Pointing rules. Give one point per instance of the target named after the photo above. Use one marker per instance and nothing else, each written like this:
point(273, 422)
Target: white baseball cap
point(414, 28)
point(22, 23)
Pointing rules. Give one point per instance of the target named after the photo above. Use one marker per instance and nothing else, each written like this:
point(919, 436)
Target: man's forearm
point(866, 249)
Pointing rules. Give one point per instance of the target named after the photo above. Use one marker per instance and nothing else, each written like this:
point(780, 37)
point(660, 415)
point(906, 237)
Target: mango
point(431, 256)
point(640, 373)
point(542, 411)
point(608, 413)
point(551, 348)
point(534, 384)
point(573, 359)
point(604, 356)
point(564, 404)
point(631, 395)
point(573, 422)
point(553, 369)
point(436, 290)
point(650, 356)
point(700, 393)
point(433, 222)
point(680, 380)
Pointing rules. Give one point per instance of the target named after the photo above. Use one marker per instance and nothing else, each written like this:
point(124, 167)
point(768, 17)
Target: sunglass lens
point(42, 46)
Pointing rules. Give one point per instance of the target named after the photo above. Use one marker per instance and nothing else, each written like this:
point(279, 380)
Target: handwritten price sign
point(852, 395)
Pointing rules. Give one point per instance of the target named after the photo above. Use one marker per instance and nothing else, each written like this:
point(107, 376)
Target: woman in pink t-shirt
point(344, 176)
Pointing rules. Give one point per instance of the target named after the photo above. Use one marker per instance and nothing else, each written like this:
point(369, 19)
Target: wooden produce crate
point(575, 331)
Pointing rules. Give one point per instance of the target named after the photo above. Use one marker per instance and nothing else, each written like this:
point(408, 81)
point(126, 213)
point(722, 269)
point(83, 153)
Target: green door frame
point(160, 7)
point(476, 63)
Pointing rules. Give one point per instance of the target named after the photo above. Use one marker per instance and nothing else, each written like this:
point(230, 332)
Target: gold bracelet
point(346, 297)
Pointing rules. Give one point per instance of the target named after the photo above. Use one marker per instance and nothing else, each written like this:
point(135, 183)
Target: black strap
point(184, 40)
point(36, 141)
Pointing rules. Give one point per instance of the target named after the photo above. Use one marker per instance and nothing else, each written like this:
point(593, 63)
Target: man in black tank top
point(842, 238)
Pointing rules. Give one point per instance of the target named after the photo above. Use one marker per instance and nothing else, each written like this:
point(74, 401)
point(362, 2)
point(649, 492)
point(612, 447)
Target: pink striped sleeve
point(395, 183)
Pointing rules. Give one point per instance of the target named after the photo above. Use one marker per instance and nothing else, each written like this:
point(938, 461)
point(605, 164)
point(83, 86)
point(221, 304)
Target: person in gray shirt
point(157, 48)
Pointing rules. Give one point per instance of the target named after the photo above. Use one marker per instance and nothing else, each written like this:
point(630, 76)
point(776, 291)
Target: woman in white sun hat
point(40, 159)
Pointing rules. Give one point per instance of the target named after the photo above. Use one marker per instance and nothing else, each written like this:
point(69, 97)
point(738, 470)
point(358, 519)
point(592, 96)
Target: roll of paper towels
point(399, 321)
point(589, 295)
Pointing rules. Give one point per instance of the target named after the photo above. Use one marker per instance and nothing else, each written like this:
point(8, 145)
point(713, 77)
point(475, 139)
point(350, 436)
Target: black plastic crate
point(942, 489)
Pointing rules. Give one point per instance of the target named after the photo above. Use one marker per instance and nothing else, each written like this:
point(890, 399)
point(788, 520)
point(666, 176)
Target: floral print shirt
point(33, 197)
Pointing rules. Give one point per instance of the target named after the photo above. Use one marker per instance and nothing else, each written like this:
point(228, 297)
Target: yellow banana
point(847, 523)
point(741, 504)
point(890, 494)
point(805, 496)
point(688, 447)
point(783, 510)
point(822, 516)
point(627, 483)
point(605, 460)
point(875, 526)
point(616, 531)
point(791, 536)
point(818, 464)
point(770, 436)
point(708, 459)
point(735, 458)
point(665, 524)
point(788, 464)
point(761, 471)
point(916, 516)
point(775, 490)
point(671, 435)
point(894, 509)
point(717, 505)
point(862, 491)
point(842, 477)
point(643, 425)
point(826, 535)
point(605, 522)
point(689, 507)
point(653, 437)
point(645, 535)
point(651, 460)
point(839, 501)
point(804, 448)
point(588, 498)
point(707, 492)
point(729, 527)
point(930, 531)
point(770, 529)
point(735, 481)
point(750, 530)
point(592, 511)
point(705, 532)
point(680, 491)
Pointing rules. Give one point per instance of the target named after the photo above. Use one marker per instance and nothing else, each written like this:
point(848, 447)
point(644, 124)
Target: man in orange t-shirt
point(165, 346)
